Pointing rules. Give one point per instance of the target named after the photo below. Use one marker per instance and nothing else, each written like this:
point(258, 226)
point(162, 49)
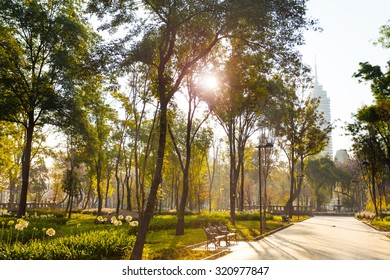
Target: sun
point(208, 81)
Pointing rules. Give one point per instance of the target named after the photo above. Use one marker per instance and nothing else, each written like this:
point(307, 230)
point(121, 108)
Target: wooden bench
point(224, 230)
point(214, 237)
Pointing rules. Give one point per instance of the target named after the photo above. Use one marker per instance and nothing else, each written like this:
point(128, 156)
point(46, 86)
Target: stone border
point(271, 232)
point(222, 252)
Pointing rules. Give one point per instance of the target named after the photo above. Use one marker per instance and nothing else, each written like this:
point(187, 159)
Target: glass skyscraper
point(324, 108)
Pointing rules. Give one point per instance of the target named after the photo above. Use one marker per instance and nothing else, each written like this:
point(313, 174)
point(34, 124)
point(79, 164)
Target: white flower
point(3, 212)
point(21, 224)
point(50, 232)
point(120, 217)
point(19, 227)
point(113, 219)
point(128, 218)
point(133, 223)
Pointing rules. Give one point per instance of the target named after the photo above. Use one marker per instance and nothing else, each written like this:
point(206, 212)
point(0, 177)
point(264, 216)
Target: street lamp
point(299, 177)
point(265, 146)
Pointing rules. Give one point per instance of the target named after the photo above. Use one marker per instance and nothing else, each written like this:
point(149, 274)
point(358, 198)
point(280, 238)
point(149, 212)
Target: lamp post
point(262, 221)
point(299, 177)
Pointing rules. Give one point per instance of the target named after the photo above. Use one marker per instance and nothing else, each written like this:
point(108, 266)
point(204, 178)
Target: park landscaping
point(46, 235)
point(381, 223)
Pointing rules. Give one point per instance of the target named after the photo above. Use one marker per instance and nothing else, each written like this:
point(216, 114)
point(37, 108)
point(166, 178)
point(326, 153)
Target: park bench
point(214, 237)
point(224, 230)
point(286, 219)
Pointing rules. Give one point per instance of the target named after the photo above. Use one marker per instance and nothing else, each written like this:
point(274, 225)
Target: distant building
point(341, 156)
point(324, 108)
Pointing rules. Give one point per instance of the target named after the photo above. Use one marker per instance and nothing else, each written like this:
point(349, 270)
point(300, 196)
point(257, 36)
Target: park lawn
point(161, 242)
point(165, 245)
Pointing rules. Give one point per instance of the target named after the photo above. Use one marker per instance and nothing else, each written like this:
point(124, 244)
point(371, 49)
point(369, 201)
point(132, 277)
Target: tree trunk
point(72, 186)
point(118, 181)
point(12, 186)
point(88, 194)
point(129, 183)
point(374, 198)
point(186, 171)
point(289, 205)
point(151, 203)
point(98, 187)
point(109, 169)
point(242, 191)
point(26, 161)
point(182, 206)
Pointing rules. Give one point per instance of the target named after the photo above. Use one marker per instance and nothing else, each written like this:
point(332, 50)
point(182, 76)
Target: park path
point(318, 238)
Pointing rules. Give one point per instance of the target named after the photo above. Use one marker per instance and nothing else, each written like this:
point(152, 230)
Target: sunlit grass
point(161, 243)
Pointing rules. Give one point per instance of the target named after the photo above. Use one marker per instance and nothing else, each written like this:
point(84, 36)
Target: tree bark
point(98, 181)
point(151, 203)
point(26, 162)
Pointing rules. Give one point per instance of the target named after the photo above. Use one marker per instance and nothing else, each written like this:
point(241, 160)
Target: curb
point(216, 255)
point(271, 232)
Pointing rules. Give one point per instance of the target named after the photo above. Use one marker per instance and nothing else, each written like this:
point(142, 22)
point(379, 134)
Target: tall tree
point(175, 35)
point(184, 152)
point(322, 173)
point(371, 128)
point(100, 116)
point(237, 107)
point(42, 43)
point(302, 132)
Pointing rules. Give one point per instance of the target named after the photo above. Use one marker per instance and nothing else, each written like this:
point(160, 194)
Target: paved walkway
point(318, 238)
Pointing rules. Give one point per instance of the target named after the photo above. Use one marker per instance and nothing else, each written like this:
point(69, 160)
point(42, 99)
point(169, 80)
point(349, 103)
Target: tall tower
point(324, 108)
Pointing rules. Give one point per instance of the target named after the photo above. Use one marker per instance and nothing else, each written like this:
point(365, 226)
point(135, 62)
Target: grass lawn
point(82, 238)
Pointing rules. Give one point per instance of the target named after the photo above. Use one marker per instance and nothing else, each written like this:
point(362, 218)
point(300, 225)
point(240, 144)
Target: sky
point(350, 28)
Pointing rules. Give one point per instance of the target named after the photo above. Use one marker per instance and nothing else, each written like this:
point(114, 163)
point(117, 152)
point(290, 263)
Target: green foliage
point(36, 229)
point(382, 224)
point(385, 35)
point(190, 221)
point(251, 216)
point(166, 222)
point(81, 238)
point(97, 245)
point(380, 81)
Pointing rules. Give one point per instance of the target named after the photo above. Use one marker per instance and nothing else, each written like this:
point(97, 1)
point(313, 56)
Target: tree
point(384, 40)
point(237, 106)
point(369, 150)
point(371, 127)
point(184, 152)
point(322, 174)
point(100, 114)
point(39, 180)
point(11, 143)
point(178, 34)
point(302, 132)
point(42, 44)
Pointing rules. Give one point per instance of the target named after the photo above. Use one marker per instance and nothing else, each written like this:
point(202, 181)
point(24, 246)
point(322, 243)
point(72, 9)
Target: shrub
point(97, 245)
point(46, 212)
